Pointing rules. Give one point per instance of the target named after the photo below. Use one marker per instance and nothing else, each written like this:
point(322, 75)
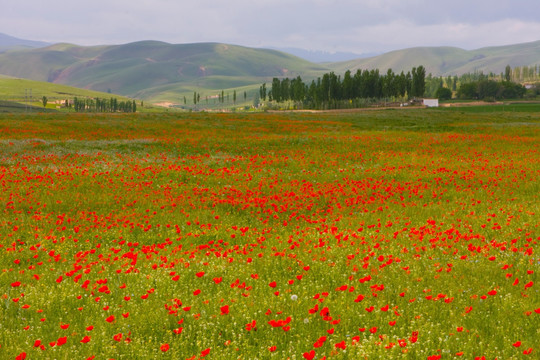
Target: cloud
point(332, 25)
point(399, 34)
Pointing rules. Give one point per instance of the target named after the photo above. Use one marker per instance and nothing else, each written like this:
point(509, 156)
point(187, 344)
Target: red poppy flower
point(205, 352)
point(309, 355)
point(61, 341)
point(110, 319)
point(272, 284)
point(402, 343)
point(164, 347)
point(85, 339)
point(224, 310)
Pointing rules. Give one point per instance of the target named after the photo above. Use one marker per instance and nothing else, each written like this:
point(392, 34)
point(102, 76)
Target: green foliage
point(103, 105)
point(443, 93)
point(490, 89)
point(331, 92)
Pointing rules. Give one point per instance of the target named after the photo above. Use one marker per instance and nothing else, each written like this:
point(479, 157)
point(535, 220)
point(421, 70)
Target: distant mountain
point(9, 43)
point(147, 69)
point(317, 56)
point(449, 60)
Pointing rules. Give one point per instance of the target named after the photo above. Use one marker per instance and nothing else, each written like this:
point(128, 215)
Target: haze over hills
point(158, 71)
point(8, 42)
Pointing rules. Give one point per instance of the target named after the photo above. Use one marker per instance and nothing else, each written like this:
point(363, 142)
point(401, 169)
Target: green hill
point(448, 60)
point(162, 72)
point(144, 69)
point(16, 93)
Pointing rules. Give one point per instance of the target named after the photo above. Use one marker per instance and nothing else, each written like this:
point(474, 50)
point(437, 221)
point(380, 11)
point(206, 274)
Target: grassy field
point(17, 90)
point(391, 234)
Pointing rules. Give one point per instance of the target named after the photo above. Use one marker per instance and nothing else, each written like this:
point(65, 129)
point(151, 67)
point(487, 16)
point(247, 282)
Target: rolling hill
point(146, 69)
point(448, 60)
point(17, 93)
point(162, 72)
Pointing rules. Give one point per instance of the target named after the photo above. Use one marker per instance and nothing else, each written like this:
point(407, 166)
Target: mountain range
point(158, 71)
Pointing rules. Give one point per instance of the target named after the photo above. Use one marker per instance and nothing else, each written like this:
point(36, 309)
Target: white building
point(431, 102)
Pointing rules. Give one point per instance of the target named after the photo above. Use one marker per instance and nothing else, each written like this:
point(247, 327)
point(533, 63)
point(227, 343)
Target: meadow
point(391, 234)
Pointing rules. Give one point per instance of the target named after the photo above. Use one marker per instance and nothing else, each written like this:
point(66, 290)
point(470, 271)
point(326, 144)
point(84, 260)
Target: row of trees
point(332, 91)
point(477, 85)
point(491, 90)
point(102, 105)
point(221, 97)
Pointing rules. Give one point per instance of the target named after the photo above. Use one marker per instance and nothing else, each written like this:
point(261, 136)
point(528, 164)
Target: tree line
point(102, 105)
point(333, 91)
point(490, 90)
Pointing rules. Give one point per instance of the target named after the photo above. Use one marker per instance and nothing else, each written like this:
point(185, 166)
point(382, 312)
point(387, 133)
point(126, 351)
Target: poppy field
point(385, 234)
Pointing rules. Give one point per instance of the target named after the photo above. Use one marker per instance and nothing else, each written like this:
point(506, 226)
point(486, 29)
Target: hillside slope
point(23, 90)
point(135, 69)
point(449, 60)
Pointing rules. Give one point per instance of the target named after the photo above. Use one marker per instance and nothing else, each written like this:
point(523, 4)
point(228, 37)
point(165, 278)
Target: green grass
point(15, 89)
point(498, 108)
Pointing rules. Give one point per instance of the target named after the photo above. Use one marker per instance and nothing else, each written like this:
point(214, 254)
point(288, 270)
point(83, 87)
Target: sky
point(362, 26)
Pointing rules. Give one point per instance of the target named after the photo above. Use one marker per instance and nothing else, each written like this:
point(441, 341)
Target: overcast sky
point(361, 26)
